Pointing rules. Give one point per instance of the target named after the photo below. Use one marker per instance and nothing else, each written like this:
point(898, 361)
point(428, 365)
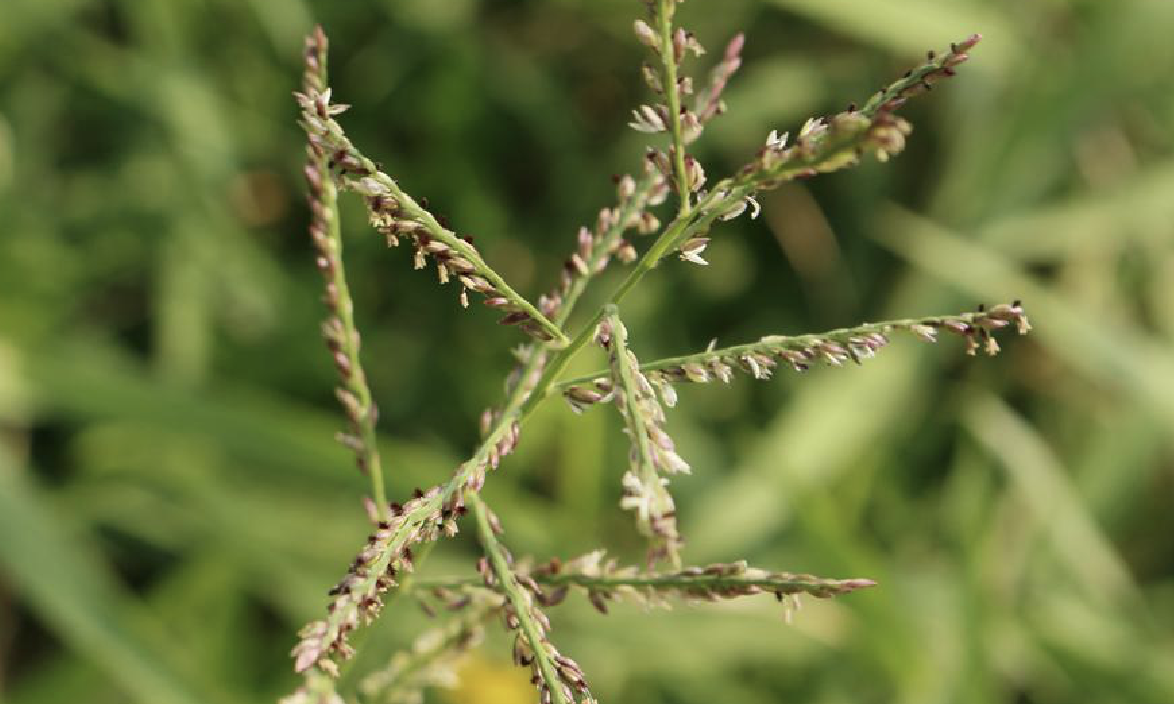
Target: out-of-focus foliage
point(172, 505)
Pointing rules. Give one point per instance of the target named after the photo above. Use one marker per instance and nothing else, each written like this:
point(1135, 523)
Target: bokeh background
point(172, 505)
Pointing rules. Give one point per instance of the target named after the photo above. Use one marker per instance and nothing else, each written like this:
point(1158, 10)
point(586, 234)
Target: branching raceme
point(513, 590)
point(653, 453)
point(604, 579)
point(339, 329)
point(759, 359)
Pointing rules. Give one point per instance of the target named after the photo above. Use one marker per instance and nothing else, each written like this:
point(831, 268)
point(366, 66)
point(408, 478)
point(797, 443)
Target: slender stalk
point(834, 346)
point(672, 92)
point(631, 206)
point(518, 599)
point(653, 452)
point(340, 330)
point(683, 582)
point(328, 135)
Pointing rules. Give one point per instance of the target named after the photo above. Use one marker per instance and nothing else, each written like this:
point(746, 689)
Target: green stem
point(357, 380)
point(773, 343)
point(776, 582)
point(344, 308)
point(660, 524)
point(513, 593)
point(673, 95)
point(415, 212)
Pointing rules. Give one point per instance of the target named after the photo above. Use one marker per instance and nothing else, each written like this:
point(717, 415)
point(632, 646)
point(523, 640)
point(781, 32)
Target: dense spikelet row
point(605, 579)
point(822, 145)
point(671, 85)
point(358, 597)
point(653, 454)
point(339, 331)
point(800, 352)
point(397, 215)
point(839, 141)
point(558, 678)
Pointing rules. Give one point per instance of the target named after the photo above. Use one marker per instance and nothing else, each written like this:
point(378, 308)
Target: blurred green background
point(172, 505)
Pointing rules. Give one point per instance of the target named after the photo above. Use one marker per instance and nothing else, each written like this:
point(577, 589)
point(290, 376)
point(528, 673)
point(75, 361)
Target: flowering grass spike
point(516, 591)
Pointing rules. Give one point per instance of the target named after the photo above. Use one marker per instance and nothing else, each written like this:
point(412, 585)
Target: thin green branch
point(605, 579)
point(670, 59)
point(387, 555)
point(834, 347)
point(397, 214)
point(645, 490)
point(726, 586)
point(555, 673)
point(635, 198)
point(340, 331)
point(822, 146)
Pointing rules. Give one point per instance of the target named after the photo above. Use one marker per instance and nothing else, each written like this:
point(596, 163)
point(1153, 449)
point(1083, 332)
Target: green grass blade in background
point(79, 599)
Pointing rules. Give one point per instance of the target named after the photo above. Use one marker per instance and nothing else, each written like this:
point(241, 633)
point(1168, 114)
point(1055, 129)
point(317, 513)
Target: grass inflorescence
point(517, 591)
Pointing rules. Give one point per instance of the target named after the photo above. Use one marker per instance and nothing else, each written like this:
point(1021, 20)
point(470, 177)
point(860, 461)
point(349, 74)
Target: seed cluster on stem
point(517, 591)
point(339, 330)
point(653, 454)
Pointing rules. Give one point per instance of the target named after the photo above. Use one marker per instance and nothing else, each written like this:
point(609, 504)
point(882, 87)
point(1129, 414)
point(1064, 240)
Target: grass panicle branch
point(339, 331)
point(823, 145)
point(605, 579)
point(397, 215)
point(559, 679)
point(595, 248)
point(834, 348)
point(652, 455)
point(358, 598)
point(684, 125)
